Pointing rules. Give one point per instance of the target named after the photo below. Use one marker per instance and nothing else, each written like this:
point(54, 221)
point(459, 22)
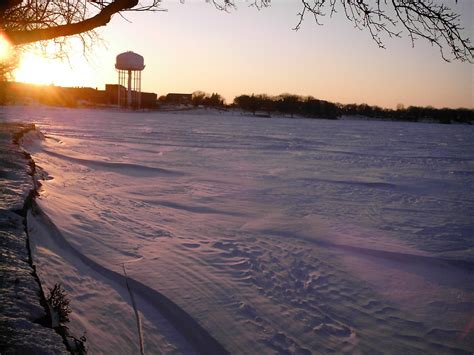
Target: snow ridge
point(200, 340)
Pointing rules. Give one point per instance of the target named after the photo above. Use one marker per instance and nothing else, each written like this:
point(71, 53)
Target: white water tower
point(129, 66)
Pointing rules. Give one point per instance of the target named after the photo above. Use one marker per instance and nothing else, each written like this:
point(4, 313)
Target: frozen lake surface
point(265, 235)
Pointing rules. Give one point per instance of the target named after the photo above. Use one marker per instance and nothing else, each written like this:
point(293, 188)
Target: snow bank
point(22, 318)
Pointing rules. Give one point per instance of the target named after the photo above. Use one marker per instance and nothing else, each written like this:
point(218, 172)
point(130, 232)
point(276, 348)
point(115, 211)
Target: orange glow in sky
point(193, 47)
point(5, 48)
point(40, 66)
point(36, 69)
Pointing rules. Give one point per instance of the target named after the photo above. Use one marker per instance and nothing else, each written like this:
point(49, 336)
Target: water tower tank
point(129, 61)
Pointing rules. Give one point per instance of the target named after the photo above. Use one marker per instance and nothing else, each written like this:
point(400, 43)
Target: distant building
point(175, 98)
point(111, 93)
point(53, 95)
point(70, 96)
point(148, 99)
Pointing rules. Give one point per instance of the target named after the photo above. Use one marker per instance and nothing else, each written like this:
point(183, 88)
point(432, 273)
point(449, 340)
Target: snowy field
point(256, 235)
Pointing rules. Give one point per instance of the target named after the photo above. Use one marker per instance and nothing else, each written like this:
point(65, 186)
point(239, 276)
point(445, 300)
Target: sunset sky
point(193, 47)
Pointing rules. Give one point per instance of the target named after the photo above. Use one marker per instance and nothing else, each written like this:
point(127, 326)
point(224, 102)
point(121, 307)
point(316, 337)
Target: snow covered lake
point(265, 235)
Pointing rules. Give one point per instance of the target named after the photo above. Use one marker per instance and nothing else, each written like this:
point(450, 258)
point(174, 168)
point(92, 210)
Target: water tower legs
point(129, 90)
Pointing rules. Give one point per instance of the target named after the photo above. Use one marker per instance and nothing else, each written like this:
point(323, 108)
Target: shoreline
point(24, 319)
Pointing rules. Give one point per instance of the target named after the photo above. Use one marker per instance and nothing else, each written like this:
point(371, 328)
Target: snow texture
point(254, 235)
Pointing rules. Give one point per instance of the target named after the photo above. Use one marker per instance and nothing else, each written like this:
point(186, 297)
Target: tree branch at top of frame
point(31, 21)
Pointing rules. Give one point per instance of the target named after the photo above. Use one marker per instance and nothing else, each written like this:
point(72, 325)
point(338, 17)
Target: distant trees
point(443, 115)
point(250, 103)
point(365, 110)
point(313, 108)
point(310, 107)
point(411, 113)
point(288, 104)
point(197, 98)
point(200, 98)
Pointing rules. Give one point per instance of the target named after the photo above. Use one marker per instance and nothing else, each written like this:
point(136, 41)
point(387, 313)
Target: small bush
point(58, 304)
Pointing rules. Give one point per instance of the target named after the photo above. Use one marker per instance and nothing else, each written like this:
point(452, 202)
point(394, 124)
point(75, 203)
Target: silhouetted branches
point(30, 21)
point(426, 19)
point(431, 20)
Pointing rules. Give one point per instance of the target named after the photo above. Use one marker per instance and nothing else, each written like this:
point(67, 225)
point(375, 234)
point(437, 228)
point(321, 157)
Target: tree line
point(309, 107)
point(411, 113)
point(196, 99)
point(287, 104)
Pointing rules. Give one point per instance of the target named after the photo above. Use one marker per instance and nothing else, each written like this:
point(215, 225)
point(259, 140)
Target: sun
point(35, 67)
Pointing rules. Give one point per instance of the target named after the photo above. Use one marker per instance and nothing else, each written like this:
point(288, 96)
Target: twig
point(137, 315)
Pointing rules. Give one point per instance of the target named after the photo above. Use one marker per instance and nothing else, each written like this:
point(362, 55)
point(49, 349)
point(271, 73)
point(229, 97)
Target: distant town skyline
point(193, 47)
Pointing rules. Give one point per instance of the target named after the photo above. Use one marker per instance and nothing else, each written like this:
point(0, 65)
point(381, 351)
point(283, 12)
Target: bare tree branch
point(30, 21)
point(430, 20)
point(46, 20)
